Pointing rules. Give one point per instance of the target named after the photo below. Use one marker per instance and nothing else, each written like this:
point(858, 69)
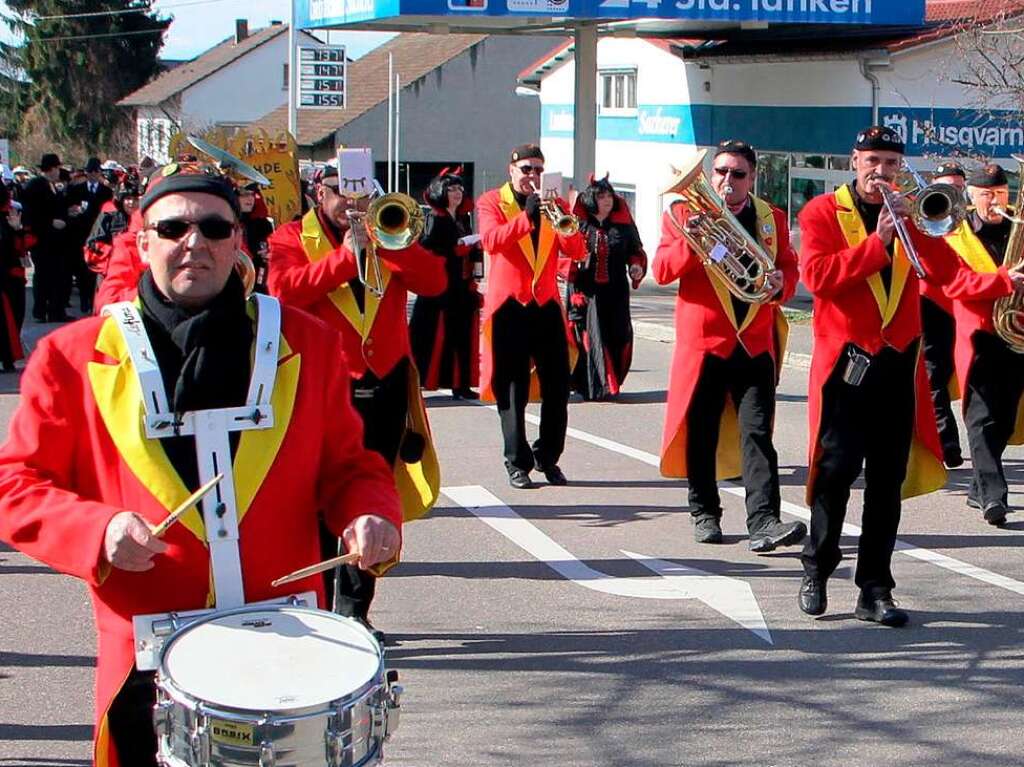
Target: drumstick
point(327, 564)
point(191, 501)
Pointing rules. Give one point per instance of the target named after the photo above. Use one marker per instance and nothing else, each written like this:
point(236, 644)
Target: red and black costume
point(14, 245)
point(124, 267)
point(721, 399)
point(113, 220)
point(525, 330)
point(91, 195)
point(444, 330)
point(990, 372)
point(312, 270)
point(597, 294)
point(256, 229)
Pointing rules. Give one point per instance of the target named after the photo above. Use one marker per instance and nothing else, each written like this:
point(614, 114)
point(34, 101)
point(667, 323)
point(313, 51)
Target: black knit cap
point(742, 148)
point(988, 175)
point(188, 177)
point(950, 168)
point(879, 137)
point(526, 152)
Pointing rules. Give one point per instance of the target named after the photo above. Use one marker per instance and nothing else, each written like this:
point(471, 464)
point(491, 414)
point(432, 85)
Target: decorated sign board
point(321, 77)
point(314, 14)
point(355, 172)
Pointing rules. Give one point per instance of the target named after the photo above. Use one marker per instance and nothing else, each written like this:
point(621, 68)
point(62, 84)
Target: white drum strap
point(211, 429)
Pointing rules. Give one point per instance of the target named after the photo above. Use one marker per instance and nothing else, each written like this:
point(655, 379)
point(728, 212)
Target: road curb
point(666, 334)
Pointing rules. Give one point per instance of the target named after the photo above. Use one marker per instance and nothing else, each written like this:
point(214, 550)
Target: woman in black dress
point(597, 291)
point(445, 330)
point(14, 244)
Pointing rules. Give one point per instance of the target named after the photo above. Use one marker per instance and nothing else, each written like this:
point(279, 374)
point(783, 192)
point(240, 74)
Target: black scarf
point(203, 358)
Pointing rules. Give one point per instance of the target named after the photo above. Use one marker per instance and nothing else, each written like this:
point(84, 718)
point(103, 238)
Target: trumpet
point(562, 222)
point(393, 222)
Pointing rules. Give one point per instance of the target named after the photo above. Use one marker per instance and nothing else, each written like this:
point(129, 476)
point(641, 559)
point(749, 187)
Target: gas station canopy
point(698, 18)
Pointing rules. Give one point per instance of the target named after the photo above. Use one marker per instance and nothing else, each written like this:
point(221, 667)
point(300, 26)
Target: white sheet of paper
point(551, 183)
point(355, 171)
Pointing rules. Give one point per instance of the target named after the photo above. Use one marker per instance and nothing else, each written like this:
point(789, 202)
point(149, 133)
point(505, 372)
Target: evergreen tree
point(77, 66)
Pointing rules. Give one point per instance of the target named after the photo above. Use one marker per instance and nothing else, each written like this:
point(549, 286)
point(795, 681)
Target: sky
point(201, 24)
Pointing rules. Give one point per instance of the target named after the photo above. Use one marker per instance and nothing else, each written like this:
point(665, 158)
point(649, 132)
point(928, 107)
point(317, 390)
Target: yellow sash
point(317, 245)
point(967, 245)
point(855, 233)
point(545, 240)
point(119, 399)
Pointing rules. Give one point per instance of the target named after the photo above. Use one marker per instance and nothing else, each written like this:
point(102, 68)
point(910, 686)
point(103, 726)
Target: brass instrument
point(1008, 311)
point(393, 222)
point(721, 242)
point(246, 270)
point(563, 223)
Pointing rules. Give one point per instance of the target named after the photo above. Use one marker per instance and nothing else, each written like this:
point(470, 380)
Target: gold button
point(369, 352)
point(368, 342)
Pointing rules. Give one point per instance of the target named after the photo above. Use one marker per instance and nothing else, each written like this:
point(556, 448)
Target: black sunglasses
point(735, 173)
point(212, 228)
point(531, 169)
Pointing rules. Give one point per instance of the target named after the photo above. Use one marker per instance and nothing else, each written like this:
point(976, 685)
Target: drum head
point(271, 659)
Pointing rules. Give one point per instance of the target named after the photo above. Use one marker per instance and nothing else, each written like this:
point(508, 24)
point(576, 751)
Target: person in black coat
point(597, 291)
point(86, 200)
point(46, 216)
point(444, 330)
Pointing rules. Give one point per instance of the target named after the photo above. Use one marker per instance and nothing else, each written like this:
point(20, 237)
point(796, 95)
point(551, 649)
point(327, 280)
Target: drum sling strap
point(211, 429)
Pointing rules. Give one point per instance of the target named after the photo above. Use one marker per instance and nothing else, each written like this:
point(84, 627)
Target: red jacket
point(57, 494)
point(516, 272)
point(311, 271)
point(125, 266)
point(705, 324)
point(841, 267)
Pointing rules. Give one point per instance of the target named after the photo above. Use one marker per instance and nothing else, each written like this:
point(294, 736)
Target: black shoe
point(707, 530)
point(952, 457)
point(973, 502)
point(813, 597)
point(554, 475)
point(520, 479)
point(776, 534)
point(995, 514)
point(465, 393)
point(880, 609)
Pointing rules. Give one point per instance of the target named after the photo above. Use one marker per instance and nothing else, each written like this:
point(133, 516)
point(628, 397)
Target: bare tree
point(988, 62)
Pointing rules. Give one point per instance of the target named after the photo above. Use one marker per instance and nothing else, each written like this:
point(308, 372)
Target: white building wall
point(153, 131)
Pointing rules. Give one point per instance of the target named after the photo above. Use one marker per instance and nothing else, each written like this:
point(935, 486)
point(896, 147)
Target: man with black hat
point(938, 332)
point(868, 402)
point(524, 325)
point(46, 216)
point(313, 267)
point(85, 200)
point(728, 354)
point(99, 451)
point(991, 374)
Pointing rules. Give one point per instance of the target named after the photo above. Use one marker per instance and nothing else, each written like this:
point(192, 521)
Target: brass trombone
point(393, 222)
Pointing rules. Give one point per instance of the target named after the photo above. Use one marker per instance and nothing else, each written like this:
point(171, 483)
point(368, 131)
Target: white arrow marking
point(731, 597)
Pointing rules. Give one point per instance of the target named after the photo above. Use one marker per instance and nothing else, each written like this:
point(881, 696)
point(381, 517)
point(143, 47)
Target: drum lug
point(267, 756)
point(162, 719)
point(392, 705)
point(199, 740)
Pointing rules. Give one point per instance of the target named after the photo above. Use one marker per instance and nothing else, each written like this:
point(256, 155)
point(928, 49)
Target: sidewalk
point(653, 310)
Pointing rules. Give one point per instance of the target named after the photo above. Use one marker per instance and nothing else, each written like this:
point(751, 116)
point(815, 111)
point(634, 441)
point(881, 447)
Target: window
point(618, 91)
point(284, 76)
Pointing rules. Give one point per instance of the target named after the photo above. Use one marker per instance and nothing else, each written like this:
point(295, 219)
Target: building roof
point(172, 82)
point(415, 55)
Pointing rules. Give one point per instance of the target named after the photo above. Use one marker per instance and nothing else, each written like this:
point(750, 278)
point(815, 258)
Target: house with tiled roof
point(230, 85)
point(457, 106)
point(798, 94)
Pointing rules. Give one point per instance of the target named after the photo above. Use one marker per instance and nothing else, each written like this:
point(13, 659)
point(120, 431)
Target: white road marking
point(800, 512)
point(731, 597)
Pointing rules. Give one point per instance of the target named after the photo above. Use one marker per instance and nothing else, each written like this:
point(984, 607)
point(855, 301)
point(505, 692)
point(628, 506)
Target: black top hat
point(49, 161)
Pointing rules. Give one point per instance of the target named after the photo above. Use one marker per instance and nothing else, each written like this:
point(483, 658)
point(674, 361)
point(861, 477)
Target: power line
point(98, 35)
point(143, 9)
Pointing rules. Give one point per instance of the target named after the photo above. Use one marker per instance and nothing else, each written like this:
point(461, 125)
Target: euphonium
point(1008, 312)
point(725, 248)
point(393, 222)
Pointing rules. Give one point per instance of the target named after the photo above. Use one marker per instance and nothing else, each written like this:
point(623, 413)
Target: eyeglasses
point(727, 171)
point(212, 228)
point(531, 169)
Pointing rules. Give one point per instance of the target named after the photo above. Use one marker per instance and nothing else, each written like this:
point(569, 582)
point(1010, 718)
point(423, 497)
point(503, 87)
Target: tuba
point(725, 248)
point(393, 222)
point(1008, 311)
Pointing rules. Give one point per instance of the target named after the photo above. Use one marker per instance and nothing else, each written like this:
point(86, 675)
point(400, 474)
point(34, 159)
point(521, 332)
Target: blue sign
point(312, 14)
point(960, 132)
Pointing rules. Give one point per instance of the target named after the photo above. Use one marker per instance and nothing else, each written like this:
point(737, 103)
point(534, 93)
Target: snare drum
point(273, 687)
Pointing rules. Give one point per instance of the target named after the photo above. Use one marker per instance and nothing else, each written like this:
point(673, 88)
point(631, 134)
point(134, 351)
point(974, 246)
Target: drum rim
point(166, 682)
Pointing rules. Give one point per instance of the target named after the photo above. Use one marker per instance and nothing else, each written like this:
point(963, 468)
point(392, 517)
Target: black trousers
point(751, 384)
point(519, 334)
point(867, 427)
point(130, 720)
point(938, 334)
point(992, 396)
point(383, 404)
point(48, 295)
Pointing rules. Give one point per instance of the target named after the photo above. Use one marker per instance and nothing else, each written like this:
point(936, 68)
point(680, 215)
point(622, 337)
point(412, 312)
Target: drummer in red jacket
point(94, 458)
point(721, 395)
point(313, 267)
point(526, 345)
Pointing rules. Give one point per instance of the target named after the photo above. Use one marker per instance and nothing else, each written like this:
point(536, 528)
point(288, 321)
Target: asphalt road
point(525, 633)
